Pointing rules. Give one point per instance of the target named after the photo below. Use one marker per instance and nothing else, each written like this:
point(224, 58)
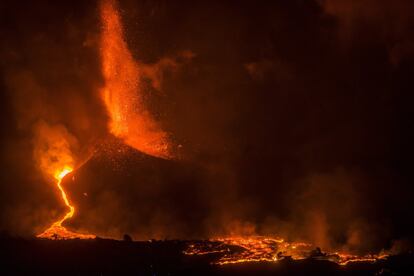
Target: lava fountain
point(129, 119)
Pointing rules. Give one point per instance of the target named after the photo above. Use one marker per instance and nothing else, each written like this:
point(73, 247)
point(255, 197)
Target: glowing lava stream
point(56, 230)
point(233, 250)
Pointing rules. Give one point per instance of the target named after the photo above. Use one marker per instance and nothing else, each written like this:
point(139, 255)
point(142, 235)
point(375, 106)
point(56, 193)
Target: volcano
point(217, 138)
point(121, 190)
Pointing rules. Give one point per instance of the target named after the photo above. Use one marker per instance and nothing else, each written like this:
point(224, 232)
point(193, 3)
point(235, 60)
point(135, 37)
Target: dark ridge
point(111, 257)
point(122, 190)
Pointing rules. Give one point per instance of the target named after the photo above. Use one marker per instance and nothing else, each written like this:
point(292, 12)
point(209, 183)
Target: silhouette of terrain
point(121, 190)
point(20, 256)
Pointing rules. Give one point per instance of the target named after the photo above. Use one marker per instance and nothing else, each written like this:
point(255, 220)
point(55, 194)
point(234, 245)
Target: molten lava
point(56, 230)
point(269, 249)
point(122, 94)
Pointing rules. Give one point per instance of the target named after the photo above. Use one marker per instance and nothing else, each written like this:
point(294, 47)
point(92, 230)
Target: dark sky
point(293, 117)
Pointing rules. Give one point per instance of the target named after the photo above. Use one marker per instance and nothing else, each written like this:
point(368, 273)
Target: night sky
point(292, 118)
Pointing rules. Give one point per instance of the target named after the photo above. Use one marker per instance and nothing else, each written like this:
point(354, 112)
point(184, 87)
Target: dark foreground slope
point(110, 257)
point(121, 190)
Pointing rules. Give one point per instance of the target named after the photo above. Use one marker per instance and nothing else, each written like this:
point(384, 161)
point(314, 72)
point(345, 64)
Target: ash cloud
point(295, 117)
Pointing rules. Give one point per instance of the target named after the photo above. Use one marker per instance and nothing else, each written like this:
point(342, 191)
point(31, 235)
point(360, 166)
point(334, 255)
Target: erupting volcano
point(132, 123)
point(122, 96)
point(217, 138)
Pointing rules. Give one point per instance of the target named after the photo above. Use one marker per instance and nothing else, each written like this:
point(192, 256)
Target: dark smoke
point(292, 117)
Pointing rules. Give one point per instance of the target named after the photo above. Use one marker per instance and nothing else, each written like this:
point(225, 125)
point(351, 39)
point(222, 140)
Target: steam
point(53, 146)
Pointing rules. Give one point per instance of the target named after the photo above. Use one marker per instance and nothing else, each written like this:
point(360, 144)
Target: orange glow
point(56, 230)
point(59, 175)
point(349, 258)
point(122, 94)
point(269, 249)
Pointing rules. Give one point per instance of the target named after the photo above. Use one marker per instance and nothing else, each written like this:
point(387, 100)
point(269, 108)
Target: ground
point(110, 257)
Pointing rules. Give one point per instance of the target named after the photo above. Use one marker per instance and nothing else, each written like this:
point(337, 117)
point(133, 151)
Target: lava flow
point(269, 249)
point(56, 230)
